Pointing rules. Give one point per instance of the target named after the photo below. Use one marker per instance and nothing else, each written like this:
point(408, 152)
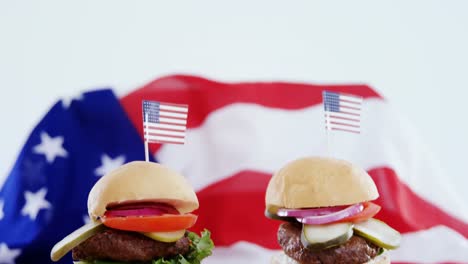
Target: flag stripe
point(166, 139)
point(345, 115)
point(340, 118)
point(354, 106)
point(166, 126)
point(172, 121)
point(153, 132)
point(349, 111)
point(330, 125)
point(345, 130)
point(174, 107)
point(345, 122)
point(172, 114)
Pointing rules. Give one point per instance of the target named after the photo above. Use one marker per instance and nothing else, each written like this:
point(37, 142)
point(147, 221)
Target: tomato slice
point(370, 209)
point(159, 223)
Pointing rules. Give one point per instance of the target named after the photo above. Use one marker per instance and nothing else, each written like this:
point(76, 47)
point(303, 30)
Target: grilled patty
point(356, 250)
point(127, 246)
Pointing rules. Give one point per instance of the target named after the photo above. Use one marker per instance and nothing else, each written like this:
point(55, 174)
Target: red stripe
point(405, 210)
point(205, 96)
point(233, 209)
point(172, 124)
point(344, 118)
point(343, 124)
point(165, 129)
point(164, 135)
point(171, 104)
point(346, 130)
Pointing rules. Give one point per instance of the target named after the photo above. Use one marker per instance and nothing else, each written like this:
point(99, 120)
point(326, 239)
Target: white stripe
point(174, 108)
point(162, 138)
point(335, 126)
point(435, 245)
point(166, 132)
point(174, 127)
point(350, 111)
point(172, 121)
point(351, 98)
point(344, 121)
point(350, 104)
point(343, 115)
point(171, 114)
point(439, 244)
point(230, 140)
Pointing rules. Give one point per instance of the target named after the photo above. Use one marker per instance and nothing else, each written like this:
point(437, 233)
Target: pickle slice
point(316, 237)
point(378, 233)
point(74, 239)
point(271, 212)
point(168, 237)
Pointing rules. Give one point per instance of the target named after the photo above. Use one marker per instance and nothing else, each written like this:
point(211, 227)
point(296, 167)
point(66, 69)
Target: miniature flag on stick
point(164, 123)
point(342, 112)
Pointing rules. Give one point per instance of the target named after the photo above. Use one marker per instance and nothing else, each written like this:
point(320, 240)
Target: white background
point(414, 52)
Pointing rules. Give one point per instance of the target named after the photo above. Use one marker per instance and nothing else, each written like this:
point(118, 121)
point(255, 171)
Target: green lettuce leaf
point(200, 248)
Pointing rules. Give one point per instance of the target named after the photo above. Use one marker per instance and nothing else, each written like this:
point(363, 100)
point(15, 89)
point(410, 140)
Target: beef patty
point(125, 246)
point(356, 250)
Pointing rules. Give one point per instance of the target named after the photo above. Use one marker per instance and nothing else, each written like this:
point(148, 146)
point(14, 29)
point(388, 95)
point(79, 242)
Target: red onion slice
point(309, 211)
point(165, 208)
point(333, 217)
point(134, 212)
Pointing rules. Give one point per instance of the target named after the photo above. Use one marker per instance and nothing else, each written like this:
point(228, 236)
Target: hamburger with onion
point(327, 213)
point(140, 213)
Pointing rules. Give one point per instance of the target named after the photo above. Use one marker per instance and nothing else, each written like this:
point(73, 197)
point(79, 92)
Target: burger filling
point(140, 232)
point(354, 250)
point(123, 246)
point(338, 234)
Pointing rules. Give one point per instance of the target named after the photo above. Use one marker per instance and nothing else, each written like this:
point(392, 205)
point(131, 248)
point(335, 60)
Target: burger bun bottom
point(282, 258)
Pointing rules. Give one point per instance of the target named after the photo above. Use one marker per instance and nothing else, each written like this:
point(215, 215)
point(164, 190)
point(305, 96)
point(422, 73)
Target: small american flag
point(342, 111)
point(164, 122)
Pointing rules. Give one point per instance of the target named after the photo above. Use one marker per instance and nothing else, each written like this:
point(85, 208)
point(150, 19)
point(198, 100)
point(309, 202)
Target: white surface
point(413, 52)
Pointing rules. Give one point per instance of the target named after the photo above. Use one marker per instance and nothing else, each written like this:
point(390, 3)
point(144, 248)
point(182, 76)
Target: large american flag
point(240, 133)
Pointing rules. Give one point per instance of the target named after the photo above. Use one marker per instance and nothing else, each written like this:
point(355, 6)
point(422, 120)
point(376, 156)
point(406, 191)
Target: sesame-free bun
point(319, 182)
point(282, 258)
point(141, 181)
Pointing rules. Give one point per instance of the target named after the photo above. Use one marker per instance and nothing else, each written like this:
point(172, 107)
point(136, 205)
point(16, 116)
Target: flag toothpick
point(164, 123)
point(342, 113)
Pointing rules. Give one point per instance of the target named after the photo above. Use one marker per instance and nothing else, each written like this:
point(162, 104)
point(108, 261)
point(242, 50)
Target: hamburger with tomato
point(140, 213)
point(327, 213)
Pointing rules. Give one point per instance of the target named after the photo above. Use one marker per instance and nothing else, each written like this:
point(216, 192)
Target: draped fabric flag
point(237, 136)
